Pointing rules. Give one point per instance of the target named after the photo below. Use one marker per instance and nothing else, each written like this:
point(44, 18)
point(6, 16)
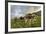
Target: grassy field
point(18, 23)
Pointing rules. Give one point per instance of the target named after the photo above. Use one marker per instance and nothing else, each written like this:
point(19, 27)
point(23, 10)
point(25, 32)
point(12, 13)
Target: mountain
point(37, 13)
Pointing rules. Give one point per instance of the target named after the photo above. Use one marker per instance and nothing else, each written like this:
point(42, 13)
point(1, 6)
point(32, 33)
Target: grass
point(18, 23)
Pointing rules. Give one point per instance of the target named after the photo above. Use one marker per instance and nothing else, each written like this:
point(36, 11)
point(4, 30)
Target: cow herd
point(28, 17)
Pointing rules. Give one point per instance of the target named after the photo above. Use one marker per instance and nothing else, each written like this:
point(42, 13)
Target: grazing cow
point(28, 17)
point(21, 18)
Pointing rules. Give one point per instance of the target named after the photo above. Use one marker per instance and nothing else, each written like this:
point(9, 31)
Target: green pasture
point(18, 23)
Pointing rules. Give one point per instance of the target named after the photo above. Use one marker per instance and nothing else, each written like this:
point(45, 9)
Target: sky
point(18, 10)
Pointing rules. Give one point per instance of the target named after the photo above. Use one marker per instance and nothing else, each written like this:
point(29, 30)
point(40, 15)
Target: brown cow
point(28, 17)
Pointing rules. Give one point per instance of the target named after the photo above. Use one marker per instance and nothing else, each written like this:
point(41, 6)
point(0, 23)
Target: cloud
point(33, 9)
point(18, 10)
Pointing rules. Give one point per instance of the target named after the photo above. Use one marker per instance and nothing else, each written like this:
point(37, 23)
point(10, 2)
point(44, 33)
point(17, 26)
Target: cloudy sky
point(18, 10)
